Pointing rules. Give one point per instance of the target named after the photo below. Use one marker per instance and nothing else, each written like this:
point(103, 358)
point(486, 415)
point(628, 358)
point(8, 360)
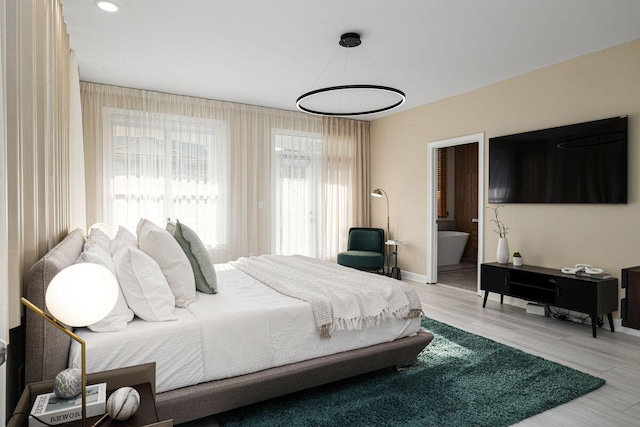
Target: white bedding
point(244, 328)
point(350, 303)
point(174, 345)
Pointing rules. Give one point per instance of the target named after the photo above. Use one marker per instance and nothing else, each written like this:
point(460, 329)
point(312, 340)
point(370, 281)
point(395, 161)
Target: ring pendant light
point(380, 98)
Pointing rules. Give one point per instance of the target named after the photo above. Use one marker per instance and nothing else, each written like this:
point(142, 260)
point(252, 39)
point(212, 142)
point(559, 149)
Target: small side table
point(140, 377)
point(395, 271)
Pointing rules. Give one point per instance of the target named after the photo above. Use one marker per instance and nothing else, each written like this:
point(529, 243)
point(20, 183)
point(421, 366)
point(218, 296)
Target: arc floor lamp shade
point(379, 192)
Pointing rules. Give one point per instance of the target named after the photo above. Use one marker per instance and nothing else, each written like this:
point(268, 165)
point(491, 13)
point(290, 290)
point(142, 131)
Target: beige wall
point(595, 86)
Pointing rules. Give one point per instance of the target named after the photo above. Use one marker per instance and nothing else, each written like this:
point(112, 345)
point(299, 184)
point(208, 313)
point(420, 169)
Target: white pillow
point(121, 314)
point(144, 286)
point(160, 245)
point(99, 237)
point(95, 254)
point(123, 238)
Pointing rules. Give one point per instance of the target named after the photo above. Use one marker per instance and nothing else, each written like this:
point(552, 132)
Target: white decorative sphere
point(68, 383)
point(123, 403)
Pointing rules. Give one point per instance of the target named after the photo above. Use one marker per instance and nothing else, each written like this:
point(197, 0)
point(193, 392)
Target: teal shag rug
point(460, 379)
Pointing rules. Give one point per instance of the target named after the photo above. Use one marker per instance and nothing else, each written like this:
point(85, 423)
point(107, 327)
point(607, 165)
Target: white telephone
point(587, 268)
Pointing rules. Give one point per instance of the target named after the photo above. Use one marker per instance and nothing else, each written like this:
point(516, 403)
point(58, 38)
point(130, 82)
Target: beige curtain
point(251, 132)
point(77, 193)
point(4, 264)
point(37, 94)
point(346, 182)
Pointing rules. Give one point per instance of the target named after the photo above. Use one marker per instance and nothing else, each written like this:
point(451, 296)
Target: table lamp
point(79, 295)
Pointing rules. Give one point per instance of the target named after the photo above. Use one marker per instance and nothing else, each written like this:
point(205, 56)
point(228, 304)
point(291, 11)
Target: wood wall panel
point(631, 304)
point(466, 196)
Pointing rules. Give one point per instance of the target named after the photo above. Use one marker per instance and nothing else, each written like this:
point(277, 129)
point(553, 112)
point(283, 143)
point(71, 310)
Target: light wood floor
point(614, 357)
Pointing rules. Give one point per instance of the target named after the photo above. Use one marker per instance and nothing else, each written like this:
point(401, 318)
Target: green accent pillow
point(203, 270)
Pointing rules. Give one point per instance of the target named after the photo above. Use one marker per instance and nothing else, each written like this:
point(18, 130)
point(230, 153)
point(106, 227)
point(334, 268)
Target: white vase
point(503, 251)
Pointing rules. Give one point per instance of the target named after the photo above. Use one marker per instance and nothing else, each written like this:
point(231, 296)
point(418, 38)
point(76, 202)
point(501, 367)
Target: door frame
point(432, 210)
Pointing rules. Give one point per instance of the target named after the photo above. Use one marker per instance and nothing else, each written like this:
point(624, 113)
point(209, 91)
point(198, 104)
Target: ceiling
point(268, 53)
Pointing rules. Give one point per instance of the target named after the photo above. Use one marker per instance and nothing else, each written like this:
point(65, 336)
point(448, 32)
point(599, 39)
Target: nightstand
point(140, 377)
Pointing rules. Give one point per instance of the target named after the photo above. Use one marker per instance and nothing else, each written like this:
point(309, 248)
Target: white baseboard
point(418, 278)
point(617, 325)
point(414, 276)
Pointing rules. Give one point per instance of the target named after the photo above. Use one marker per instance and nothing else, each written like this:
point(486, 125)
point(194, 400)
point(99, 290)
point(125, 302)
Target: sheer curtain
point(159, 166)
point(346, 188)
point(77, 193)
point(322, 187)
point(4, 264)
point(37, 127)
point(250, 180)
point(298, 183)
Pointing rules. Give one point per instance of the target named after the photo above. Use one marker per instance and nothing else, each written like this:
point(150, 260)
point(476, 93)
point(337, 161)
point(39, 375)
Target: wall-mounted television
point(578, 163)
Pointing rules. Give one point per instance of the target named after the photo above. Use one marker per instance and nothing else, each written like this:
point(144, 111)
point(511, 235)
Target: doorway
point(458, 256)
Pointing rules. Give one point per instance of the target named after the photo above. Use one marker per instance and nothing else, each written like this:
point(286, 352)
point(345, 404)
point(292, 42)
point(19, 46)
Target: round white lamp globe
point(82, 294)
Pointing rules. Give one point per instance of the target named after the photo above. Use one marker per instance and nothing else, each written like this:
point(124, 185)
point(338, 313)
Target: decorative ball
point(123, 403)
point(68, 383)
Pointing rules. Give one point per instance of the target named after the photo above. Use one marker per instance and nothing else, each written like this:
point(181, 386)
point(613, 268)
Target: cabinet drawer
point(578, 295)
point(494, 279)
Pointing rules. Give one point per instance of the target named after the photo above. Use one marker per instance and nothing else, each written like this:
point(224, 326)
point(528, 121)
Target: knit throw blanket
point(340, 297)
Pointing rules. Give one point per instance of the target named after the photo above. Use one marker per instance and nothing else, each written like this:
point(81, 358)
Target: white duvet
point(245, 327)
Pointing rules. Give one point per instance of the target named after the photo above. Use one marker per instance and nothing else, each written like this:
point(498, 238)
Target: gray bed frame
point(47, 353)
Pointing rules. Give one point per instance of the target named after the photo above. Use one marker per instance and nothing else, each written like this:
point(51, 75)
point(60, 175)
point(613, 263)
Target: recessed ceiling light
point(107, 6)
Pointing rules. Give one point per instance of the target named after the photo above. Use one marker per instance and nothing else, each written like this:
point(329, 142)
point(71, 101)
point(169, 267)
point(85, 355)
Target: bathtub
point(451, 246)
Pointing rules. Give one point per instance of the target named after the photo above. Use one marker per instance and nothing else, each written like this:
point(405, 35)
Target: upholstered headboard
point(47, 348)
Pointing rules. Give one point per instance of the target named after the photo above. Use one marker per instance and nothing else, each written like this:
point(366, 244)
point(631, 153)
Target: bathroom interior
point(458, 216)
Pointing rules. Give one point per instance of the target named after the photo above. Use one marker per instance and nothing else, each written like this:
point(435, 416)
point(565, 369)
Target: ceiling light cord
point(315, 84)
point(376, 64)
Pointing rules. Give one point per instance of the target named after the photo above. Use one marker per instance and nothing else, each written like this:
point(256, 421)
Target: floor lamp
point(80, 295)
point(379, 192)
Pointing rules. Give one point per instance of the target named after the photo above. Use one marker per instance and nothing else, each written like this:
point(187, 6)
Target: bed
point(266, 353)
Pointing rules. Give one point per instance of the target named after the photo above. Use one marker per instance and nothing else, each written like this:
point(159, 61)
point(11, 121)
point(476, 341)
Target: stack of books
point(600, 276)
point(52, 410)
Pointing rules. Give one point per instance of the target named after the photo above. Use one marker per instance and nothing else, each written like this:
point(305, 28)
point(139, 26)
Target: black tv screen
point(579, 163)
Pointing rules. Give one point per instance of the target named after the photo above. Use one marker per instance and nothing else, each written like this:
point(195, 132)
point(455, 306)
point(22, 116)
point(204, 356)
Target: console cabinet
point(630, 305)
point(595, 297)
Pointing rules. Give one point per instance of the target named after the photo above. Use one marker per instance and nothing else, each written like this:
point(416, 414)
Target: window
point(442, 183)
point(298, 170)
point(161, 166)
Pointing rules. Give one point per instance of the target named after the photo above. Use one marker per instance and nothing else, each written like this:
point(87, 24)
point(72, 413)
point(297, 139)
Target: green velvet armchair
point(365, 249)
